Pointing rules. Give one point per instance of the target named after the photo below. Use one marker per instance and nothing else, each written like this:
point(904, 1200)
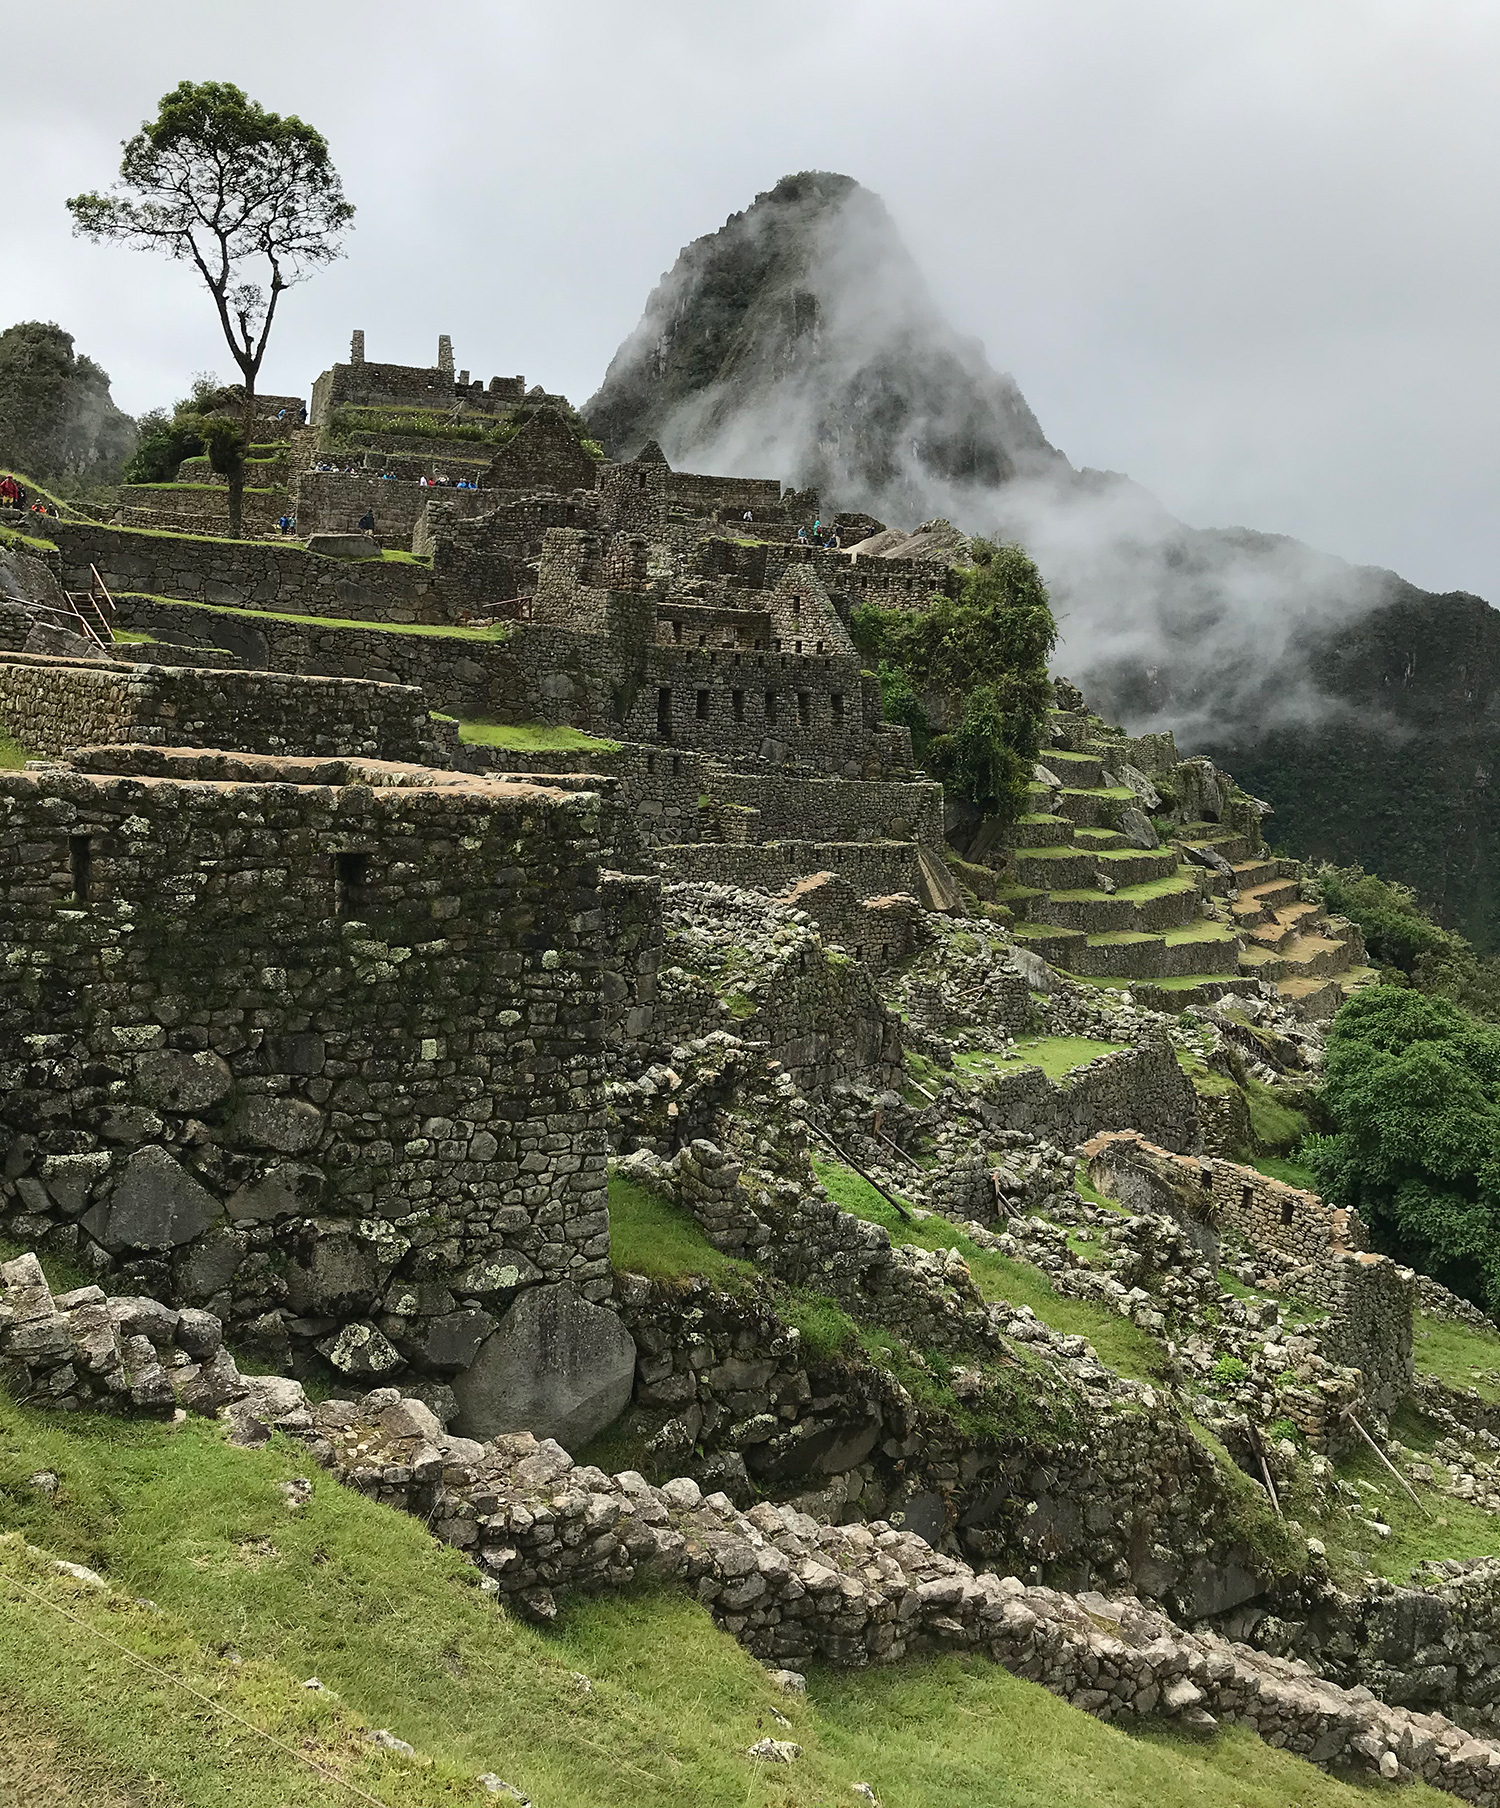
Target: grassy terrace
point(533, 737)
point(13, 756)
point(1055, 1055)
point(492, 636)
point(1457, 1354)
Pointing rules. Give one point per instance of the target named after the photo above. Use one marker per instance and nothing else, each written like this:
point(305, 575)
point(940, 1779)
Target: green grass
point(13, 756)
point(1457, 1354)
point(1278, 1128)
point(533, 737)
point(19, 542)
point(362, 1597)
point(651, 1236)
point(1279, 1168)
point(1448, 1528)
point(1121, 1345)
point(128, 489)
point(1055, 1055)
point(1203, 1080)
point(499, 633)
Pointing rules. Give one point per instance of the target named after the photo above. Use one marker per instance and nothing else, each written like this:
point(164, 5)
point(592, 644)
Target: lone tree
point(250, 198)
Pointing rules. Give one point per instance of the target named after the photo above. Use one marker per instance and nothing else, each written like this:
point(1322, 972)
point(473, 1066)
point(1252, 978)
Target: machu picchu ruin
point(649, 1151)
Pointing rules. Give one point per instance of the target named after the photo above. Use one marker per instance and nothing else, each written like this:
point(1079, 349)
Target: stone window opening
point(770, 706)
point(1247, 1196)
point(702, 640)
point(651, 764)
point(804, 709)
point(796, 605)
point(81, 866)
point(702, 706)
point(676, 765)
point(737, 704)
point(820, 646)
point(1286, 1211)
point(736, 659)
point(664, 712)
point(677, 632)
point(799, 646)
point(836, 704)
point(350, 873)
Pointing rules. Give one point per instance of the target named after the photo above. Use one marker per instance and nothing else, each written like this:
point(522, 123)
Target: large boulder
point(557, 1366)
point(156, 1204)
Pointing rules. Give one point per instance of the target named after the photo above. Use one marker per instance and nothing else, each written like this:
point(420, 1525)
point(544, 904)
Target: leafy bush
point(1229, 1370)
point(980, 665)
point(1413, 1091)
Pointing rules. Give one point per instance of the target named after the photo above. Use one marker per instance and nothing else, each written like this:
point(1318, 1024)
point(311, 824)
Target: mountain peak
point(800, 340)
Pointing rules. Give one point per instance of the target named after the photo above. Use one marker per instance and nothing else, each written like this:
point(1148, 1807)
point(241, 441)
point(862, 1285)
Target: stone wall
point(1272, 1215)
point(334, 501)
point(873, 868)
point(827, 810)
point(251, 574)
point(52, 705)
point(325, 1057)
point(1136, 1087)
point(1370, 1301)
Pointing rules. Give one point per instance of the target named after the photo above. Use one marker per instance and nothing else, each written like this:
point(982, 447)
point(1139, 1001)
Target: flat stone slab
point(557, 1366)
point(343, 546)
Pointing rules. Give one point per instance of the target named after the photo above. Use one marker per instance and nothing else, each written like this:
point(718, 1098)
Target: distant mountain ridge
point(800, 340)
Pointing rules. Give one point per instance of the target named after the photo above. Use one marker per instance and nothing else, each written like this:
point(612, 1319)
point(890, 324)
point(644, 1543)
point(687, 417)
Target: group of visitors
point(441, 482)
point(284, 414)
point(340, 470)
point(286, 524)
point(12, 495)
point(828, 540)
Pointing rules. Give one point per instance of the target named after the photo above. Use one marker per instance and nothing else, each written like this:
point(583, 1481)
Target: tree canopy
point(969, 676)
point(58, 423)
point(249, 198)
point(1413, 1091)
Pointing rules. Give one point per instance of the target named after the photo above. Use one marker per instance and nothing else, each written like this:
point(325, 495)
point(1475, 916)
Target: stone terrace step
point(1204, 835)
point(1098, 838)
point(1126, 955)
point(1147, 909)
point(1138, 866)
point(1097, 808)
point(1270, 894)
point(1039, 830)
point(1304, 957)
point(1074, 769)
point(1054, 868)
point(1058, 946)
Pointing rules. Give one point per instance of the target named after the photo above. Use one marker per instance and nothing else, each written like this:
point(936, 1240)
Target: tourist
point(367, 523)
point(748, 516)
point(9, 492)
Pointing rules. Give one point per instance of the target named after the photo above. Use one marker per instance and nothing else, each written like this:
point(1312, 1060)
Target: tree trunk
point(237, 475)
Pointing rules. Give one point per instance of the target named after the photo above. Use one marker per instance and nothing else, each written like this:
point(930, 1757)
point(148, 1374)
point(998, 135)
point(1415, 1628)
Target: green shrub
point(1229, 1370)
point(1413, 1090)
point(984, 657)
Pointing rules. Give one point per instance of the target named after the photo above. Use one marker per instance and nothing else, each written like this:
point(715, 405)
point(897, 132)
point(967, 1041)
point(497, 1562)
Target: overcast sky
point(1245, 250)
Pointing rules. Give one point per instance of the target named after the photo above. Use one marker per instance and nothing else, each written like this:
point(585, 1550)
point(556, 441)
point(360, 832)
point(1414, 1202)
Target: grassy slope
point(1055, 1055)
point(1123, 1346)
point(501, 632)
point(1456, 1354)
point(390, 1621)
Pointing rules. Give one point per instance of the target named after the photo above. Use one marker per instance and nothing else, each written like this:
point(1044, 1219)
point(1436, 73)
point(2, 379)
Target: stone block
point(343, 546)
point(156, 1204)
point(557, 1366)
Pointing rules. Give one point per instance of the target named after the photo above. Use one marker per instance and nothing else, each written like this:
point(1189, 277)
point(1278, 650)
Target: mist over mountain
point(800, 340)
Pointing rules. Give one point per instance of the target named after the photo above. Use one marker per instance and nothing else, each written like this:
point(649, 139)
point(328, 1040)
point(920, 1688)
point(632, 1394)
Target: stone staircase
point(1097, 906)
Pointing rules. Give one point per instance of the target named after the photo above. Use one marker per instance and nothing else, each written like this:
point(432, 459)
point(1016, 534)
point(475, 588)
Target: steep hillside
point(800, 341)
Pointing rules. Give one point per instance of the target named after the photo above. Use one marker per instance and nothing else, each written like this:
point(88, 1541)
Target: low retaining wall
point(52, 705)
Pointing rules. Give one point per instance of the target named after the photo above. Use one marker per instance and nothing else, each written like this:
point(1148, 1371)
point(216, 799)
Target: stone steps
point(1304, 957)
point(1315, 998)
point(1141, 866)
